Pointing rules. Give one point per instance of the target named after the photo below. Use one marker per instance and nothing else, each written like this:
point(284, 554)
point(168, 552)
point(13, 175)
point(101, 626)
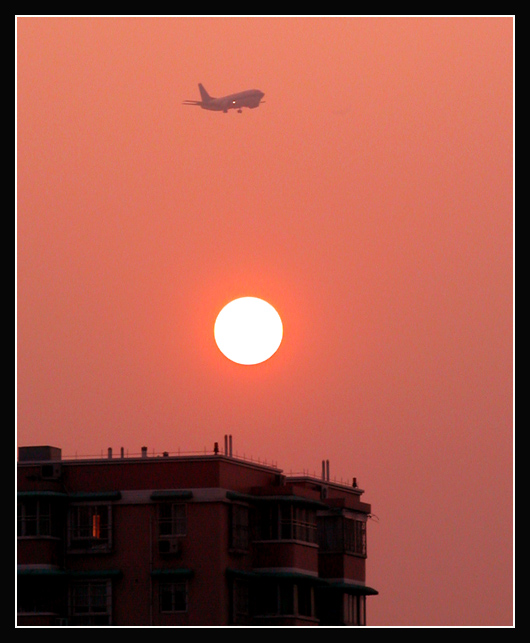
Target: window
point(90, 602)
point(172, 519)
point(34, 518)
point(286, 593)
point(342, 534)
point(268, 522)
point(330, 533)
point(173, 597)
point(241, 602)
point(304, 524)
point(355, 536)
point(284, 598)
point(89, 527)
point(287, 521)
point(305, 599)
point(354, 610)
point(240, 527)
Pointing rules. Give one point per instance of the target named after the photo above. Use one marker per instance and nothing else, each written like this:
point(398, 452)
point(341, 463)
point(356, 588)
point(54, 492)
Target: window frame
point(284, 598)
point(240, 527)
point(178, 525)
point(91, 615)
point(287, 521)
point(354, 609)
point(172, 586)
point(98, 533)
point(241, 602)
point(44, 522)
point(354, 536)
point(342, 533)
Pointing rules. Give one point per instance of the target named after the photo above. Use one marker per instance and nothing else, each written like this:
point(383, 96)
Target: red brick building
point(186, 540)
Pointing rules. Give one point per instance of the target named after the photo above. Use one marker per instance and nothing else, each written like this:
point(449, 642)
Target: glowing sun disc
point(248, 330)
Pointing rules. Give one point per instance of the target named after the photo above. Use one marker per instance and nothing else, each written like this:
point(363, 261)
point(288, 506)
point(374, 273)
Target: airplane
point(250, 98)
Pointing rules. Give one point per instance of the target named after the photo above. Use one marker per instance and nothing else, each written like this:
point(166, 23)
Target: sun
point(248, 330)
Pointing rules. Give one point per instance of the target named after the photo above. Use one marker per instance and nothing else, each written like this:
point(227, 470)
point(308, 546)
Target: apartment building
point(186, 540)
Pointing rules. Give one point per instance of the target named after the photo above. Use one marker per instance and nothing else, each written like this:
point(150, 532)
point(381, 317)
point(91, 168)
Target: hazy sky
point(369, 200)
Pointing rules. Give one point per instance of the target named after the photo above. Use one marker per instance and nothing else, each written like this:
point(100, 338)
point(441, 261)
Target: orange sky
point(369, 200)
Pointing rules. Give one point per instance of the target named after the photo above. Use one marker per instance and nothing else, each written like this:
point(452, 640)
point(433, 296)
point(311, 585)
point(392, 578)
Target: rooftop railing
point(205, 452)
point(179, 453)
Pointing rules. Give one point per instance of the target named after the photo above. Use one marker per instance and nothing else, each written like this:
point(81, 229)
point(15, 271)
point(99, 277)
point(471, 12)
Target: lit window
point(89, 527)
point(96, 526)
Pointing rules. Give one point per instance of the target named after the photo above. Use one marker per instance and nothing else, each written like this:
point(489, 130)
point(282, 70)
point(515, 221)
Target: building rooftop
point(44, 453)
point(186, 538)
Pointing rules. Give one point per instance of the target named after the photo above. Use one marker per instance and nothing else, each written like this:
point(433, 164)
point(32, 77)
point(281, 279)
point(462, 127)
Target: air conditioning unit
point(170, 546)
point(50, 471)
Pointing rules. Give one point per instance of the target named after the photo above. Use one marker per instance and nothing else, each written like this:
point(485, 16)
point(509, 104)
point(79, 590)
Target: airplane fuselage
point(250, 98)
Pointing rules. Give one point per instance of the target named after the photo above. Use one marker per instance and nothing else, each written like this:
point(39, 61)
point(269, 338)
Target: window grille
point(172, 519)
point(287, 521)
point(341, 533)
point(34, 518)
point(89, 527)
point(90, 602)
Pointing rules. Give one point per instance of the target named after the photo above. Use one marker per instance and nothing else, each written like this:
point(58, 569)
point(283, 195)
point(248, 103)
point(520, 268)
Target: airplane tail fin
point(204, 94)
